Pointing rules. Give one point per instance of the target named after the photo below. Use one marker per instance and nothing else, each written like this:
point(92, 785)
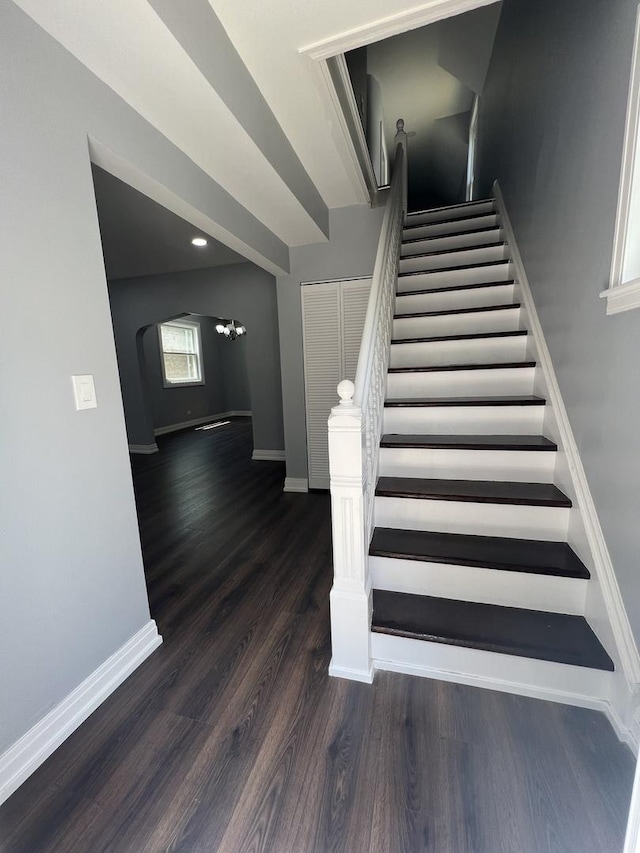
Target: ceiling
point(157, 55)
point(140, 237)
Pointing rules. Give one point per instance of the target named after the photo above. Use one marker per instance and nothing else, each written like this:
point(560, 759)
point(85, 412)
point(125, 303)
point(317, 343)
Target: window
point(624, 287)
point(180, 352)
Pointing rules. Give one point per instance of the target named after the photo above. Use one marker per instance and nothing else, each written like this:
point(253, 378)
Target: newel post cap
point(400, 125)
point(346, 406)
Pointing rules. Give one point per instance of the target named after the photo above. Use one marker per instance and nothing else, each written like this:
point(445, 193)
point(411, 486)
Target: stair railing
point(355, 429)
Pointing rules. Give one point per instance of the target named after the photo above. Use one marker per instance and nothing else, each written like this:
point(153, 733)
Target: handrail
point(355, 428)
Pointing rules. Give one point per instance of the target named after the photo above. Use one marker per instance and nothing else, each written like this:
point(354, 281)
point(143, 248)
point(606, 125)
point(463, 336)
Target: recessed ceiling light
point(199, 241)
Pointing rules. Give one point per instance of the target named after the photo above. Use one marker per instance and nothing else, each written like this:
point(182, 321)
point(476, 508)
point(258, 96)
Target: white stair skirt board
point(460, 257)
point(208, 419)
point(604, 605)
point(464, 420)
point(488, 586)
point(144, 448)
point(268, 456)
point(502, 382)
point(556, 682)
point(457, 211)
point(296, 484)
point(524, 466)
point(500, 271)
point(486, 220)
point(480, 519)
point(474, 323)
point(478, 297)
point(446, 242)
point(510, 348)
point(28, 753)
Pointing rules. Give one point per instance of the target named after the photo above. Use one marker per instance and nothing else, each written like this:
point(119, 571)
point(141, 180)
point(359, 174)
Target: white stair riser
point(479, 351)
point(575, 685)
point(451, 213)
point(464, 420)
point(451, 300)
point(524, 466)
point(505, 320)
point(487, 586)
point(456, 241)
point(461, 383)
point(451, 278)
point(479, 519)
point(463, 257)
point(452, 227)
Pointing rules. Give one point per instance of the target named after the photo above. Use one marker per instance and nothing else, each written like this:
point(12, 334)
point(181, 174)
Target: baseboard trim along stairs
point(487, 562)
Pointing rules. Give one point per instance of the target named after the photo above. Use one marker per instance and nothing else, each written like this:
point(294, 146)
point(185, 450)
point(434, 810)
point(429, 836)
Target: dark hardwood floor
point(231, 737)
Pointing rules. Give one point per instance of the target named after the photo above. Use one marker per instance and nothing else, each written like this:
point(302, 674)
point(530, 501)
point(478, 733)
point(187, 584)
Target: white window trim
point(623, 295)
point(190, 324)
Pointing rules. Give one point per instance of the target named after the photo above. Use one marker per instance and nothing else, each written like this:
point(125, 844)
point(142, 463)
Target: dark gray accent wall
point(552, 121)
point(226, 381)
point(240, 291)
point(351, 253)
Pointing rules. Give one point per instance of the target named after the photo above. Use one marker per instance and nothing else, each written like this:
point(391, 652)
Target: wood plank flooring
point(231, 737)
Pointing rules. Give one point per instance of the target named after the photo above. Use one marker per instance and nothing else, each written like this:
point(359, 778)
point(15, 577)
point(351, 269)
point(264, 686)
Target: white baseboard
point(143, 448)
point(27, 754)
point(165, 430)
point(296, 484)
point(351, 674)
point(269, 456)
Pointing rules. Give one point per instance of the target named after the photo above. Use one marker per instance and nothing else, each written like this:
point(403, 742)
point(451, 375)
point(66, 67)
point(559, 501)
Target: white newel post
point(351, 592)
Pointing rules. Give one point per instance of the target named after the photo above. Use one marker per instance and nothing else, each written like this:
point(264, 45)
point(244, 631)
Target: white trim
point(365, 677)
point(268, 456)
point(411, 19)
point(622, 297)
point(619, 621)
point(296, 484)
point(198, 421)
point(632, 837)
point(143, 448)
point(629, 157)
point(27, 754)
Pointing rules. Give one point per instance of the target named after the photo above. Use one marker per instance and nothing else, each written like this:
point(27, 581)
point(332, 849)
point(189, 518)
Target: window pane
point(181, 368)
point(178, 339)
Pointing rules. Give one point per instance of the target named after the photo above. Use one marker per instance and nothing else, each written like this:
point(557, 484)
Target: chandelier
point(230, 329)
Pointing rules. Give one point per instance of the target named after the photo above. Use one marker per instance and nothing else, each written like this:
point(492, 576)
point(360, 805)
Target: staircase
point(472, 576)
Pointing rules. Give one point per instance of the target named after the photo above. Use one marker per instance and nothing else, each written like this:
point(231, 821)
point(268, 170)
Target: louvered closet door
point(333, 318)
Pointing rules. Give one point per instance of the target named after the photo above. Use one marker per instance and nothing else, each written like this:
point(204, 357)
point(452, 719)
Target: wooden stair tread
point(533, 634)
point(471, 232)
point(480, 265)
point(453, 287)
point(479, 309)
point(495, 245)
point(470, 442)
point(444, 368)
point(471, 337)
point(431, 402)
point(530, 556)
point(474, 491)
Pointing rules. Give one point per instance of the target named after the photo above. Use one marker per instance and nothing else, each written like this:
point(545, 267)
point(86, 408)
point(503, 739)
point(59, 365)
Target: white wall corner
point(25, 756)
point(268, 456)
point(610, 615)
point(143, 448)
point(296, 484)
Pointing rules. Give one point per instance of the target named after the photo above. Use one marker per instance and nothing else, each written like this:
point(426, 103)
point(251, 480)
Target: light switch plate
point(85, 391)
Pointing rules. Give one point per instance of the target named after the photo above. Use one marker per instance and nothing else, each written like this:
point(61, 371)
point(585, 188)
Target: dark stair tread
point(470, 442)
point(556, 637)
point(471, 232)
point(474, 491)
point(528, 556)
point(455, 269)
point(458, 205)
point(444, 368)
point(434, 402)
point(454, 251)
point(453, 287)
point(408, 226)
point(479, 309)
point(472, 337)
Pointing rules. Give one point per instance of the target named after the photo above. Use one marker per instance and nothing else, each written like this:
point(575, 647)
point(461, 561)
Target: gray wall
point(240, 291)
point(551, 129)
point(226, 385)
point(354, 234)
